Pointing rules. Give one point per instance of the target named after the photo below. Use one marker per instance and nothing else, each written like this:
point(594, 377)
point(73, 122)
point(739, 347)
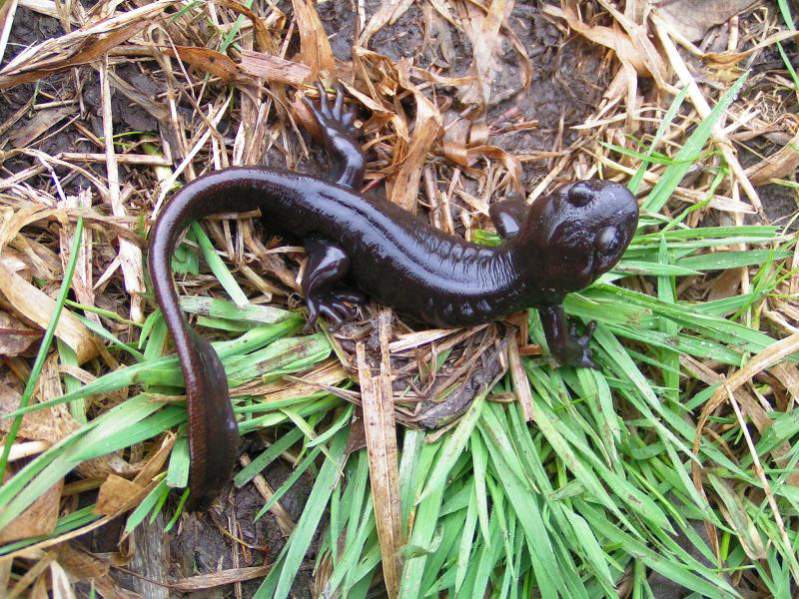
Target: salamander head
point(578, 232)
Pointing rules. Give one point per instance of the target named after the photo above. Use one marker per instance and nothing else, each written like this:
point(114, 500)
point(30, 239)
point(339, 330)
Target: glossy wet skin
point(358, 246)
point(578, 233)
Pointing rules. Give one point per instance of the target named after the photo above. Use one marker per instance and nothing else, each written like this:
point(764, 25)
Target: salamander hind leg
point(321, 283)
point(339, 137)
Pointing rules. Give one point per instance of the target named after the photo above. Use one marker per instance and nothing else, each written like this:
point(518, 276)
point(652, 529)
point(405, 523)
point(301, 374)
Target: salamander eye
point(580, 194)
point(607, 240)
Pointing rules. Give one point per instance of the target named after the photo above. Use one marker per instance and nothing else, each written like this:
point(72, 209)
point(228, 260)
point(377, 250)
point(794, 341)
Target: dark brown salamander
point(561, 243)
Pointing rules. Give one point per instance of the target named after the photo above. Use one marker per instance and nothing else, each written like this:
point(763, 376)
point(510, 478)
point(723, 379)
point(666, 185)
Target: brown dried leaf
point(416, 339)
point(521, 382)
point(262, 37)
point(83, 529)
point(782, 163)
point(15, 337)
point(39, 519)
point(389, 12)
point(113, 464)
point(273, 68)
point(381, 446)
point(440, 79)
point(734, 512)
point(639, 37)
point(511, 163)
point(82, 280)
point(356, 440)
point(59, 584)
point(99, 468)
point(315, 48)
point(116, 493)
point(443, 9)
point(210, 61)
point(305, 118)
point(12, 119)
point(37, 306)
point(44, 7)
point(87, 50)
point(50, 425)
point(693, 18)
point(614, 39)
point(158, 110)
point(465, 156)
point(788, 375)
point(156, 461)
point(282, 517)
point(41, 261)
point(769, 357)
point(404, 186)
point(42, 121)
point(8, 10)
point(331, 373)
point(721, 60)
point(455, 387)
point(82, 565)
point(222, 577)
point(5, 575)
point(483, 30)
point(130, 254)
point(379, 112)
point(34, 576)
point(726, 284)
point(21, 218)
point(457, 153)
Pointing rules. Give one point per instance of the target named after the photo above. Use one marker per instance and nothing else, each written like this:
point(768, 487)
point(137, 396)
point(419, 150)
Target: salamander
point(359, 247)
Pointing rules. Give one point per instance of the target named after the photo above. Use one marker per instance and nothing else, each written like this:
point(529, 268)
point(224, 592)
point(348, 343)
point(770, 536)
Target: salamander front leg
point(508, 216)
point(324, 295)
point(338, 135)
point(564, 343)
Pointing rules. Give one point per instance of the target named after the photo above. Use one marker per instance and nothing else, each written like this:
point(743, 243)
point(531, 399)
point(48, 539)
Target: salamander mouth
point(587, 273)
point(598, 264)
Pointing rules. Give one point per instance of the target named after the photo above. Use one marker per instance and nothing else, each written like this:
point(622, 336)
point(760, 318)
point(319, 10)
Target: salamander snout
point(612, 217)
